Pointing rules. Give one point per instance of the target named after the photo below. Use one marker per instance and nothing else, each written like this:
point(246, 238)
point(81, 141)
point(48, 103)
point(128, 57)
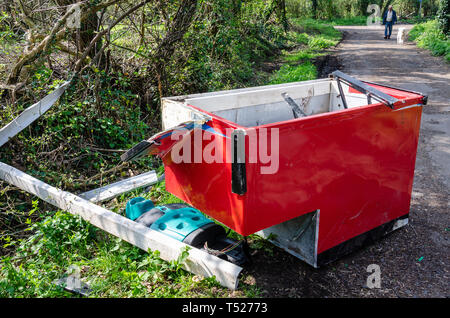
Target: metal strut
point(341, 93)
point(296, 110)
point(364, 88)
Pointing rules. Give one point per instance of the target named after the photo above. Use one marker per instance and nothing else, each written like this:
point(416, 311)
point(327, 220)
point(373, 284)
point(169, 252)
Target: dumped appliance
point(188, 225)
point(318, 167)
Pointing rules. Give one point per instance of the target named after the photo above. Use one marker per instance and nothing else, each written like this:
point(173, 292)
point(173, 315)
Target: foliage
point(443, 16)
point(287, 73)
point(354, 20)
point(110, 266)
point(224, 47)
point(113, 104)
point(6, 33)
point(299, 66)
point(347, 10)
point(428, 35)
point(67, 135)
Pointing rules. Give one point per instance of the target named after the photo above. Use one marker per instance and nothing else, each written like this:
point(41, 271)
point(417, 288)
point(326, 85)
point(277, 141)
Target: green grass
point(428, 36)
point(312, 26)
point(111, 267)
point(358, 20)
point(311, 38)
point(415, 19)
point(287, 73)
point(300, 55)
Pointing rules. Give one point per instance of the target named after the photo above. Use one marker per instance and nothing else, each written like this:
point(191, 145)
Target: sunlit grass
point(311, 37)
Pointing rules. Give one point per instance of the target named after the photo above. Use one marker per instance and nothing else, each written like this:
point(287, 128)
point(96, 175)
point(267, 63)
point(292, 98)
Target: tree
point(363, 4)
point(314, 8)
point(444, 16)
point(88, 27)
point(176, 30)
point(279, 8)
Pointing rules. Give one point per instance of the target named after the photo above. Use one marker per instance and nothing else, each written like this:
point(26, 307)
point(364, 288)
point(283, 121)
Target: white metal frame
point(112, 190)
point(30, 114)
point(198, 261)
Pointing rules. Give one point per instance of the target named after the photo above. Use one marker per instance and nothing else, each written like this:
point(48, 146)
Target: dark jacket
point(394, 16)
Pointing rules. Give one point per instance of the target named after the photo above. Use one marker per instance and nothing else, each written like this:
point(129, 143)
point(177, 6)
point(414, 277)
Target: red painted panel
point(355, 165)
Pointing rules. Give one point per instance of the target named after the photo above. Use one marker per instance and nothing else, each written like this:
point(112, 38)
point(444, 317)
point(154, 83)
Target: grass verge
point(358, 20)
point(312, 38)
point(428, 36)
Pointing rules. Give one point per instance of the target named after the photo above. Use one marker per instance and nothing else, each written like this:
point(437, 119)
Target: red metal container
point(348, 165)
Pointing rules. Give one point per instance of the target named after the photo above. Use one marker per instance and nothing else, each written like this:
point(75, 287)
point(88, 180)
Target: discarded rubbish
point(340, 176)
point(73, 284)
point(344, 170)
point(187, 225)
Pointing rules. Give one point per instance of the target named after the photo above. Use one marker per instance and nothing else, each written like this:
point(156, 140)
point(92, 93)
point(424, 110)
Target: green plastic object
point(179, 223)
point(138, 206)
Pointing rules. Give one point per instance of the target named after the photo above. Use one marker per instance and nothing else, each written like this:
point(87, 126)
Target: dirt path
point(414, 260)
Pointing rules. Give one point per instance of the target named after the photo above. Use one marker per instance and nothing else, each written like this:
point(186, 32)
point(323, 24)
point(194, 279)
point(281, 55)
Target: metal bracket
point(341, 93)
point(364, 88)
point(424, 97)
point(138, 151)
point(296, 110)
point(298, 236)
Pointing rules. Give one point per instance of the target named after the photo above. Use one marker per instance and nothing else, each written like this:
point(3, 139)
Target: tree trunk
point(176, 30)
point(314, 8)
point(88, 28)
point(443, 16)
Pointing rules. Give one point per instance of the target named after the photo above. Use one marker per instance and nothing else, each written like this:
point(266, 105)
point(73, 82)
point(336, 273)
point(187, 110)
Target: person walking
point(389, 18)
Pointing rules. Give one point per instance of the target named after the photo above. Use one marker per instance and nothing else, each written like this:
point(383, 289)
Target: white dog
point(401, 35)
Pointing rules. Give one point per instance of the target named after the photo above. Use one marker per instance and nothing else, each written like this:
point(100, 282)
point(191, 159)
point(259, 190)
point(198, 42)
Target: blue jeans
point(387, 28)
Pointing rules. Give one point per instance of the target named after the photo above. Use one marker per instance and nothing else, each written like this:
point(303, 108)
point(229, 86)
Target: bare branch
point(32, 54)
point(100, 34)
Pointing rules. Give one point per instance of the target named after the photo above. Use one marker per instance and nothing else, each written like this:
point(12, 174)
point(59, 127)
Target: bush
point(443, 16)
point(428, 35)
